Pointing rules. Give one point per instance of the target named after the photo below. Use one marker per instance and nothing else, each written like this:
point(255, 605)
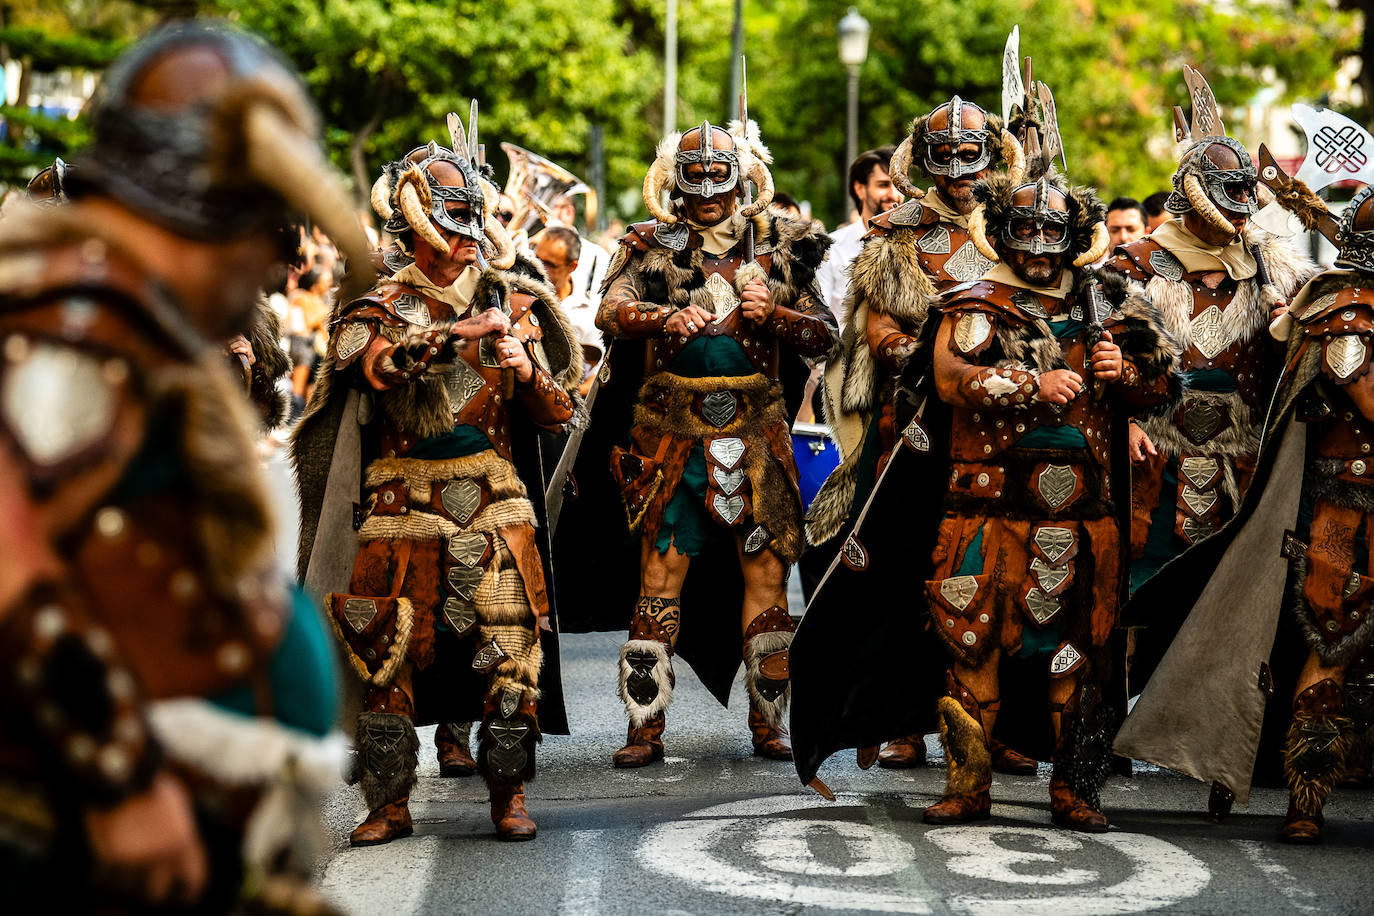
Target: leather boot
point(1006, 760)
point(455, 757)
point(969, 768)
point(1068, 810)
point(389, 822)
point(1314, 755)
point(770, 741)
point(513, 822)
point(643, 745)
point(903, 753)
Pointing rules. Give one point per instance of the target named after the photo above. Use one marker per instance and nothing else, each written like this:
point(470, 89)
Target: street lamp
point(853, 31)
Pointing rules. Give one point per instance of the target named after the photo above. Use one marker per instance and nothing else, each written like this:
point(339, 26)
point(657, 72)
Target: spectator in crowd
point(591, 267)
point(1126, 220)
point(307, 323)
point(559, 250)
point(1154, 210)
point(872, 191)
point(785, 205)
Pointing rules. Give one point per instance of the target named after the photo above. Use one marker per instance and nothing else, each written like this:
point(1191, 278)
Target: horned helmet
point(1215, 172)
point(1044, 215)
point(937, 137)
point(742, 152)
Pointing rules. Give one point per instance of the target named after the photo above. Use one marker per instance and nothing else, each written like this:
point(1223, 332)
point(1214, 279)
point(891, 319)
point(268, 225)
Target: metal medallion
point(959, 590)
point(757, 540)
point(854, 554)
point(728, 481)
point(603, 375)
point(1200, 471)
point(1195, 530)
point(936, 241)
point(1200, 422)
point(671, 235)
point(1318, 305)
point(413, 310)
point(1065, 660)
point(1049, 577)
point(729, 508)
point(57, 401)
point(1029, 303)
point(352, 338)
point(1056, 484)
point(1053, 542)
point(727, 451)
point(461, 615)
point(463, 581)
point(719, 407)
point(915, 436)
point(640, 684)
point(1199, 503)
point(467, 548)
point(1209, 332)
point(359, 612)
point(487, 656)
point(508, 757)
point(1352, 586)
point(908, 214)
point(971, 330)
point(1041, 606)
point(463, 383)
point(967, 263)
point(510, 701)
point(461, 499)
point(1166, 265)
point(724, 299)
point(1345, 354)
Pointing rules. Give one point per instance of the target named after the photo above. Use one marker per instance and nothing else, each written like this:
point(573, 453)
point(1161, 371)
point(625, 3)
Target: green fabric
point(1209, 380)
point(704, 357)
point(157, 466)
point(971, 564)
point(1163, 544)
point(686, 524)
point(1061, 437)
point(304, 682)
point(463, 441)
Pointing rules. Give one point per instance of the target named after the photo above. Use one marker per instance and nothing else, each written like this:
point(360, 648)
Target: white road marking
point(1302, 898)
point(785, 845)
point(398, 872)
point(582, 883)
point(976, 853)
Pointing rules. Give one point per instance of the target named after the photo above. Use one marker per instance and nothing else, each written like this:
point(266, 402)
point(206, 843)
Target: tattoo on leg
point(666, 612)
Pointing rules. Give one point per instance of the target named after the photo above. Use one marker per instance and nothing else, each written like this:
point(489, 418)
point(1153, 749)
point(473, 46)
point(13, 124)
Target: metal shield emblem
point(1065, 660)
point(359, 612)
point(1029, 303)
point(1049, 577)
point(724, 300)
point(916, 437)
point(507, 758)
point(640, 683)
point(729, 508)
point(1352, 585)
point(967, 263)
point(727, 451)
point(853, 554)
point(1200, 422)
point(1166, 265)
point(1056, 484)
point(1200, 471)
point(414, 310)
point(1195, 530)
point(467, 548)
point(719, 408)
point(1199, 503)
point(461, 615)
point(461, 499)
point(672, 236)
point(728, 481)
point(487, 656)
point(510, 701)
point(352, 338)
point(1054, 542)
point(757, 540)
point(959, 590)
point(380, 750)
point(1345, 354)
point(971, 330)
point(463, 581)
point(463, 382)
point(908, 214)
point(1209, 333)
point(1318, 735)
point(936, 241)
point(1041, 606)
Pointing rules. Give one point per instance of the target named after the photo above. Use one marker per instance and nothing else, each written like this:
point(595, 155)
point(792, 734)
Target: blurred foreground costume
point(418, 438)
point(148, 647)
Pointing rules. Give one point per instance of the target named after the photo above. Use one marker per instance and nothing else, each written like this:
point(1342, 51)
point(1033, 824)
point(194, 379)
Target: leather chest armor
point(944, 250)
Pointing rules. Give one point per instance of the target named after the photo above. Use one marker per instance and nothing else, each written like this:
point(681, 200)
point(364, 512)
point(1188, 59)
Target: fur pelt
point(662, 674)
point(1309, 793)
point(967, 759)
point(1320, 483)
point(1336, 654)
point(271, 366)
point(1086, 209)
point(385, 774)
point(762, 645)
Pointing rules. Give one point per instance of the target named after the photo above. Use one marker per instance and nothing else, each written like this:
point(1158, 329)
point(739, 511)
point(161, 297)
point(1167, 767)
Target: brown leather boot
point(1319, 740)
point(1068, 810)
point(903, 753)
point(455, 756)
point(770, 741)
point(389, 822)
point(1301, 829)
point(643, 745)
point(513, 822)
point(960, 809)
point(1006, 760)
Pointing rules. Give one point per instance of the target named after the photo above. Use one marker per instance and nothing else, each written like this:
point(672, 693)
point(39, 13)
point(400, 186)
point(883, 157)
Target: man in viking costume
point(166, 697)
point(911, 253)
point(1216, 282)
point(1321, 432)
point(448, 365)
point(723, 299)
point(1028, 561)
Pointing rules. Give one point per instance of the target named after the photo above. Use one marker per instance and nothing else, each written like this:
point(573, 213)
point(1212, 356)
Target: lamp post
point(853, 31)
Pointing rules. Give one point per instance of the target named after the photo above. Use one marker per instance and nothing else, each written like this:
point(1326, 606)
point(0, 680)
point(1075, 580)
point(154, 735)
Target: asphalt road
point(714, 830)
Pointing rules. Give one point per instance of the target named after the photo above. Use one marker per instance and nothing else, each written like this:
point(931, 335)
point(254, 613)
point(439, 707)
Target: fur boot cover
point(388, 753)
point(968, 761)
point(1084, 758)
point(646, 679)
point(505, 748)
point(1314, 759)
point(769, 689)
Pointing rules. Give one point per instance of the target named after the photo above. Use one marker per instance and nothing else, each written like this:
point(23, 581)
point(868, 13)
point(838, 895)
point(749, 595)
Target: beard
point(1037, 269)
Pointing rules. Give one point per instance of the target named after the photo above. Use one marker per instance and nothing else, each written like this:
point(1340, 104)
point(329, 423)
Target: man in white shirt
point(592, 264)
point(560, 251)
point(872, 192)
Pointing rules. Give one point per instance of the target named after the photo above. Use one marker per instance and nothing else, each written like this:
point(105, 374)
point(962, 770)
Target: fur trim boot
point(968, 779)
point(1314, 756)
point(505, 758)
point(1082, 761)
point(767, 681)
point(388, 754)
point(646, 688)
point(452, 741)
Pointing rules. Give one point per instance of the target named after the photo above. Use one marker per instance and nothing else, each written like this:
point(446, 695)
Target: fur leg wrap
point(966, 750)
point(766, 675)
point(1319, 739)
point(388, 754)
point(1087, 729)
point(505, 748)
point(646, 679)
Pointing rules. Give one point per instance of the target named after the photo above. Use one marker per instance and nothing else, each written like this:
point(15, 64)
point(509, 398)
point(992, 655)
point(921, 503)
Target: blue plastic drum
point(816, 457)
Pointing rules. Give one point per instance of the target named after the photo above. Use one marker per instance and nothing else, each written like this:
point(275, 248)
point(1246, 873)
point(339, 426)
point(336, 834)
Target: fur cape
point(272, 365)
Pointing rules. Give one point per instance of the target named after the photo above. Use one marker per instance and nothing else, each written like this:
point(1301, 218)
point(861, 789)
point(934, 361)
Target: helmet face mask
point(1234, 190)
point(705, 184)
point(957, 150)
point(1038, 229)
point(473, 224)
